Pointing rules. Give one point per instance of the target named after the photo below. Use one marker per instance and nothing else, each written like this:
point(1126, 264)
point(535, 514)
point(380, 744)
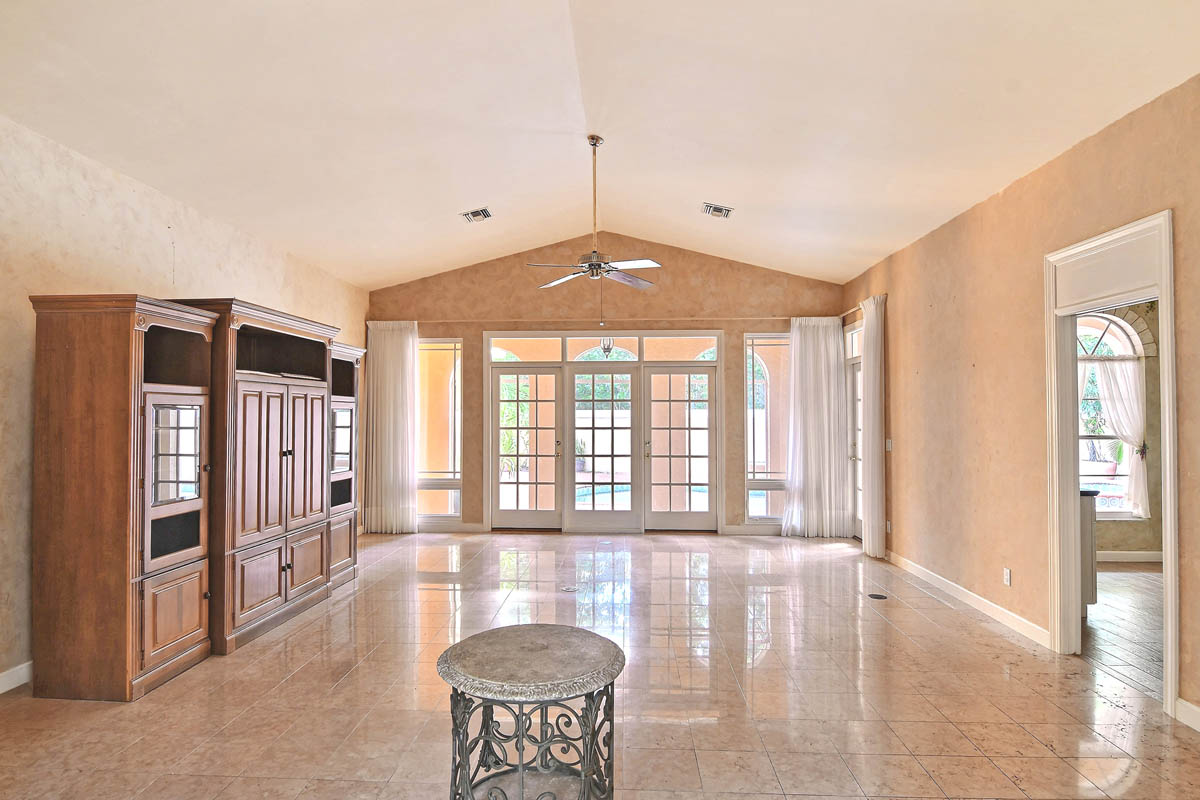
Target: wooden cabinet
point(306, 561)
point(174, 612)
point(307, 456)
point(120, 514)
point(343, 543)
point(345, 365)
point(268, 520)
point(259, 581)
point(260, 444)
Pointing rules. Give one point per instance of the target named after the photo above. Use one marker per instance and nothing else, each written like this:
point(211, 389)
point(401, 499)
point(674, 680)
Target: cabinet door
point(342, 543)
point(259, 581)
point(175, 486)
point(308, 470)
point(261, 436)
point(174, 612)
point(305, 561)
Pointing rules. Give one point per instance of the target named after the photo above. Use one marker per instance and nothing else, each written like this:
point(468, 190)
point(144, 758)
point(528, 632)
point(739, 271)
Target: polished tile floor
point(1123, 632)
point(756, 667)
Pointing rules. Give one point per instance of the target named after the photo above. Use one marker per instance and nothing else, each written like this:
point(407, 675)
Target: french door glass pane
point(603, 446)
point(679, 432)
point(527, 442)
point(176, 467)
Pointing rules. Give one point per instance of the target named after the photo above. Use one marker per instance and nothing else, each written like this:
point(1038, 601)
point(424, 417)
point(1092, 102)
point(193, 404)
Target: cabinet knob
point(283, 568)
point(207, 595)
point(208, 467)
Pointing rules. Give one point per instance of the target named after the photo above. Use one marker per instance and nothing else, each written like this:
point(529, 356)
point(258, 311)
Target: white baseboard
point(1187, 713)
point(1129, 555)
point(1002, 615)
point(753, 529)
point(12, 678)
point(439, 525)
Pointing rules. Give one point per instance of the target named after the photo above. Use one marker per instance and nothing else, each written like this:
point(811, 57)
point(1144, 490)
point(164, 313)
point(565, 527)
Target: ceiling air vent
point(478, 215)
point(714, 210)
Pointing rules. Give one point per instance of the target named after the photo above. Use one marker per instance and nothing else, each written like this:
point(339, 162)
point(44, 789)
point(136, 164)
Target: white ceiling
point(353, 133)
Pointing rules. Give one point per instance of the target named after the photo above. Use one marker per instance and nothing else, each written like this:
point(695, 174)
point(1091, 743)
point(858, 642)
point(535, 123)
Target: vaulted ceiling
point(352, 134)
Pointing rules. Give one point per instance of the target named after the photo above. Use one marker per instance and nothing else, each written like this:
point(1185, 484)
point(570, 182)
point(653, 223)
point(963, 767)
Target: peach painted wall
point(693, 292)
point(69, 225)
point(966, 358)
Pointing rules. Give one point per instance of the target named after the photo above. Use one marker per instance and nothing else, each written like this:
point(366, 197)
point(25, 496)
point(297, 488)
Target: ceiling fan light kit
point(596, 265)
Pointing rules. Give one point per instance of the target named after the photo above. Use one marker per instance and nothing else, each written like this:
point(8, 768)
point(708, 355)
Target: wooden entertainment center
point(194, 483)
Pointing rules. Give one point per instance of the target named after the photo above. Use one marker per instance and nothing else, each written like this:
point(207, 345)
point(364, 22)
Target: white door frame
point(1130, 264)
point(682, 520)
point(518, 519)
point(610, 521)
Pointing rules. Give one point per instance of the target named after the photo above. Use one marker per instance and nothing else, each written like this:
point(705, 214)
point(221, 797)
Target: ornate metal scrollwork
point(521, 745)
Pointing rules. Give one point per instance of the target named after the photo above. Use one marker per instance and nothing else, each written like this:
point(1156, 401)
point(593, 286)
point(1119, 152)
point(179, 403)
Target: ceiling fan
point(596, 265)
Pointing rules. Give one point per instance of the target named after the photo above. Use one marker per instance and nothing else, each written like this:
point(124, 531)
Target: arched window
point(1103, 458)
point(597, 354)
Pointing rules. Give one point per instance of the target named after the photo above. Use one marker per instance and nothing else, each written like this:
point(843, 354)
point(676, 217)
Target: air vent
point(480, 214)
point(714, 210)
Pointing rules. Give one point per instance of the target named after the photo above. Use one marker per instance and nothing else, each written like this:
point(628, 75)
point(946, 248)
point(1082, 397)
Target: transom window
point(1103, 458)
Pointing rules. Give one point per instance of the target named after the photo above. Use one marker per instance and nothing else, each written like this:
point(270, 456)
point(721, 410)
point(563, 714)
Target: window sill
point(1118, 517)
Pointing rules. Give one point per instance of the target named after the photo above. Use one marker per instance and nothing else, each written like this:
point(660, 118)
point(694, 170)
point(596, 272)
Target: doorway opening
point(1095, 360)
point(1120, 482)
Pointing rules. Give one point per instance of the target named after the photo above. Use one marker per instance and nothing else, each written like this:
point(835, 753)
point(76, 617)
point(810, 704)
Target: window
point(1103, 458)
point(767, 370)
point(527, 349)
point(591, 348)
point(854, 385)
point(439, 456)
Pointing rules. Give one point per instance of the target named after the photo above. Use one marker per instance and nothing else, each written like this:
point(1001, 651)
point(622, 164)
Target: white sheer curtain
point(1123, 397)
point(874, 511)
point(819, 490)
point(390, 428)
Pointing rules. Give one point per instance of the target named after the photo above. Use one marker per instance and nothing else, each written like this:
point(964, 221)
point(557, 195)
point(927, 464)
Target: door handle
point(558, 448)
point(647, 448)
point(207, 595)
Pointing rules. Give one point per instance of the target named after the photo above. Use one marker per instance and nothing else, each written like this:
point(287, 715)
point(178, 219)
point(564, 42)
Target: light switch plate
point(1007, 576)
point(887, 445)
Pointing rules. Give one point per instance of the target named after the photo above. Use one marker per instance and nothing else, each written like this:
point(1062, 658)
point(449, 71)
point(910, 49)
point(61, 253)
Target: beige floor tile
point(892, 776)
point(724, 734)
point(904, 707)
point(1047, 778)
point(1004, 739)
point(1074, 741)
point(340, 790)
point(814, 774)
point(970, 776)
point(658, 769)
point(733, 771)
point(795, 736)
point(967, 708)
point(262, 789)
point(185, 787)
point(1127, 779)
point(640, 734)
point(863, 737)
point(934, 739)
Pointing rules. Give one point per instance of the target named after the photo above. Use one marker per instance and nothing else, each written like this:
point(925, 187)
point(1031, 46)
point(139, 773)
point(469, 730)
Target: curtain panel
point(874, 500)
point(390, 428)
point(819, 491)
point(1123, 398)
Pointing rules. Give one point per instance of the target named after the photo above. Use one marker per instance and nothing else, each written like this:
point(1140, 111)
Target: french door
point(527, 426)
point(603, 468)
point(680, 446)
point(856, 432)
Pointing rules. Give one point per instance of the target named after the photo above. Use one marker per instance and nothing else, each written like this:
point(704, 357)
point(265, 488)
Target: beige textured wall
point(693, 291)
point(1142, 534)
point(69, 225)
point(966, 358)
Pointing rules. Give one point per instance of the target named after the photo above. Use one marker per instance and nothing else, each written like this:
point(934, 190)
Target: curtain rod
point(856, 308)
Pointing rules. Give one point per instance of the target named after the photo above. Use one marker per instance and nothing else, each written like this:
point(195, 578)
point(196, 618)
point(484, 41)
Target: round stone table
point(532, 708)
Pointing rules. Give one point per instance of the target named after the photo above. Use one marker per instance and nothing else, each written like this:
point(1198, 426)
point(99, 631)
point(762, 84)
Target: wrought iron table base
point(549, 750)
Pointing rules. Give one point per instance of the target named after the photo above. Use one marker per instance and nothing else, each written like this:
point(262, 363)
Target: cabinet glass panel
point(176, 469)
point(343, 435)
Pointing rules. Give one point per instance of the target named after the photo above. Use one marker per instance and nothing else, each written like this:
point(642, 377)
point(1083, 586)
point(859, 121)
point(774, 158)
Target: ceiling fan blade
point(628, 280)
point(561, 266)
point(637, 263)
point(563, 279)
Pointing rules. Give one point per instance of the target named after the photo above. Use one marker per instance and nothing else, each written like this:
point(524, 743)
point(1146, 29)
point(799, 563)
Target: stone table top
point(531, 663)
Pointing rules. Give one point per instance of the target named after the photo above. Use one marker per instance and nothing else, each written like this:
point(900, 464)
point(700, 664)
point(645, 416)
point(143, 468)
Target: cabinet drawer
point(342, 543)
point(259, 581)
point(305, 561)
point(174, 612)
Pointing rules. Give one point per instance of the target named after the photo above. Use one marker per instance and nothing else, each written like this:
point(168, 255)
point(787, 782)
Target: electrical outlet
point(889, 526)
point(887, 445)
point(1007, 576)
